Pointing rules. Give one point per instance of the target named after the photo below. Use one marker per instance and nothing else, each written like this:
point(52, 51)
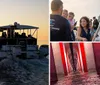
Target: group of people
point(16, 38)
point(63, 24)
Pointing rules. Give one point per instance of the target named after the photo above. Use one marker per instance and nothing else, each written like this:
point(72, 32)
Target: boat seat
point(32, 47)
point(6, 48)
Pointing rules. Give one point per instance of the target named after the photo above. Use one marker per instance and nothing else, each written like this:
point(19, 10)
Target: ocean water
point(24, 72)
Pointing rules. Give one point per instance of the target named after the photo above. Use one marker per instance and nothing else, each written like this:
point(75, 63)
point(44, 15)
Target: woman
point(83, 33)
point(72, 24)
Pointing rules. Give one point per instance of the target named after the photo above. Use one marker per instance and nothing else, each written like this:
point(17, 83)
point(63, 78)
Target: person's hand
point(84, 39)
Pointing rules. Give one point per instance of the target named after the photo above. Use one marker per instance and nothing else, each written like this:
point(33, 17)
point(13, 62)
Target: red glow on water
point(63, 58)
point(66, 45)
point(83, 57)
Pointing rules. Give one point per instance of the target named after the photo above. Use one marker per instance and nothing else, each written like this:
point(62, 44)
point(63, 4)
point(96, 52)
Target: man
point(71, 19)
point(59, 26)
point(95, 23)
point(65, 13)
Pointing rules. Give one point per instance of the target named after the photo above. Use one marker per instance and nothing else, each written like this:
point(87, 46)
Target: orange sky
point(28, 12)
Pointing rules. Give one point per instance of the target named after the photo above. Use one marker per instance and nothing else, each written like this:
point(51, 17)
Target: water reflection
point(80, 79)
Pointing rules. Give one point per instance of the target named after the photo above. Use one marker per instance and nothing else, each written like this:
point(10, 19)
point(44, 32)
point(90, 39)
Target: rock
point(43, 51)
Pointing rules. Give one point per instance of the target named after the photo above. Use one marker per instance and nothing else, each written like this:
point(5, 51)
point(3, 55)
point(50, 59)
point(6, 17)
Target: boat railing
point(18, 41)
point(14, 50)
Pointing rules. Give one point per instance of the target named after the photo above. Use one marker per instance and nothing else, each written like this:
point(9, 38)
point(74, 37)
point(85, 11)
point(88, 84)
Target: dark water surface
point(24, 72)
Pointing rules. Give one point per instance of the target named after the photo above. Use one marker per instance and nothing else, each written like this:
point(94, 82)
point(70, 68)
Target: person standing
point(95, 23)
point(92, 30)
point(72, 24)
point(59, 26)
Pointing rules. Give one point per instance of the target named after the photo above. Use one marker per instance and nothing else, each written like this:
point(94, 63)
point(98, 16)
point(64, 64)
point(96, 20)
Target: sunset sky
point(29, 12)
point(81, 8)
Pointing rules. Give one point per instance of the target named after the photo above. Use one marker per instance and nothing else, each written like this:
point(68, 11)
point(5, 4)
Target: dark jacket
point(59, 28)
point(95, 24)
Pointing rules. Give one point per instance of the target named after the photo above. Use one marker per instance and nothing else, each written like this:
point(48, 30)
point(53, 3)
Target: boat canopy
point(11, 35)
point(17, 27)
